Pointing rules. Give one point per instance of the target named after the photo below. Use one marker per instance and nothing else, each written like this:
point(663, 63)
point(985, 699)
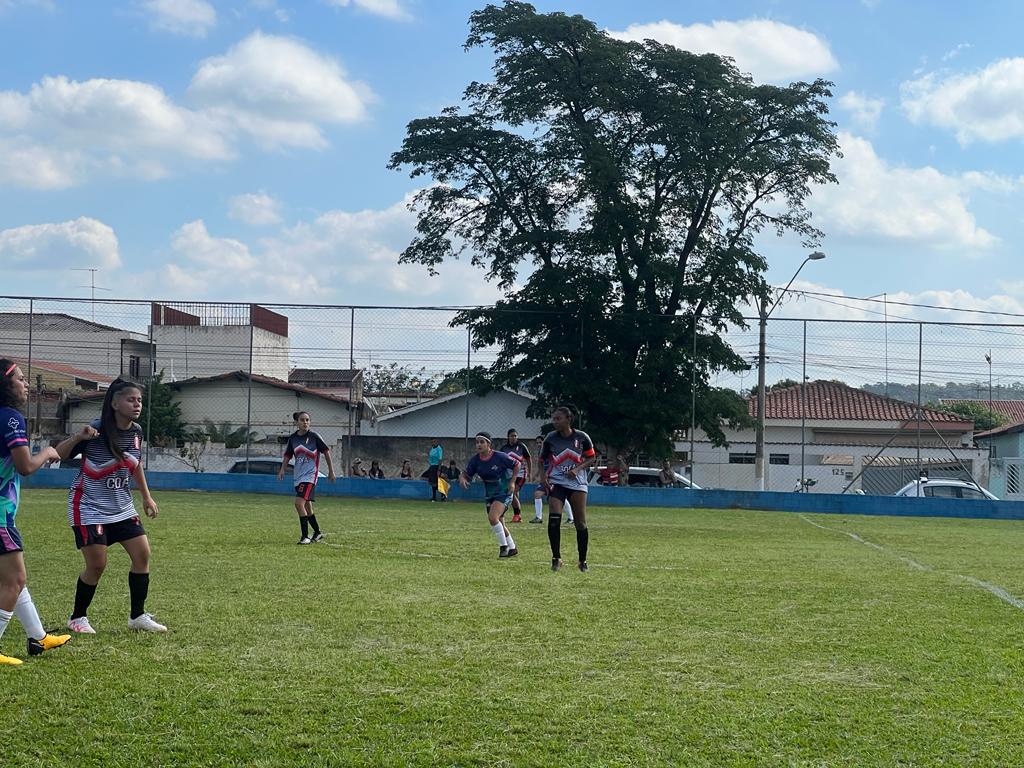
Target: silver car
point(942, 488)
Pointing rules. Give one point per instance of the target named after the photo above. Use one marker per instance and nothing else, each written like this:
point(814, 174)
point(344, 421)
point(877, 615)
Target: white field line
point(994, 589)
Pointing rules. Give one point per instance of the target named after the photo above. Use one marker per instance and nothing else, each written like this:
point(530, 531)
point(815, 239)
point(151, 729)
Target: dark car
point(261, 467)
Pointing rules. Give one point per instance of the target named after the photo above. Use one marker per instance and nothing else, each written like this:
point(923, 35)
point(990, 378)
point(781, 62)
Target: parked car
point(943, 488)
point(643, 476)
point(262, 467)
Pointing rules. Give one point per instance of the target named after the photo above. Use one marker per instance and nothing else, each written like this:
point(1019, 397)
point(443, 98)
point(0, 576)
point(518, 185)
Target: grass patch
point(699, 638)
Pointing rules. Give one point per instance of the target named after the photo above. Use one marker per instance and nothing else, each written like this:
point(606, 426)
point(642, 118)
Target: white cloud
point(62, 130)
point(258, 209)
point(391, 9)
point(275, 90)
point(191, 18)
point(987, 105)
point(864, 111)
point(876, 200)
point(83, 242)
point(279, 90)
point(954, 52)
point(769, 50)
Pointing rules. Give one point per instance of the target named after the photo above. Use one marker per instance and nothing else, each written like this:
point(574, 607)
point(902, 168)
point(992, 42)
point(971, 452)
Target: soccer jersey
point(521, 452)
point(306, 450)
point(496, 471)
point(560, 454)
point(15, 436)
point(102, 492)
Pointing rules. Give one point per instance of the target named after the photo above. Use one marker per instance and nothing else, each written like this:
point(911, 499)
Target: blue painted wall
point(418, 490)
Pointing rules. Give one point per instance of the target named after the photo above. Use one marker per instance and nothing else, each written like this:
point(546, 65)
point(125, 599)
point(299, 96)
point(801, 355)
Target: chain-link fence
point(849, 405)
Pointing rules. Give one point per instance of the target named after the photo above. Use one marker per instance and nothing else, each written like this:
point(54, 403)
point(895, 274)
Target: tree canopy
point(614, 189)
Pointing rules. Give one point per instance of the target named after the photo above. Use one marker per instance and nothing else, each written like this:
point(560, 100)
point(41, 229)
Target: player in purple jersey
point(101, 509)
point(565, 458)
point(498, 471)
point(16, 459)
point(306, 448)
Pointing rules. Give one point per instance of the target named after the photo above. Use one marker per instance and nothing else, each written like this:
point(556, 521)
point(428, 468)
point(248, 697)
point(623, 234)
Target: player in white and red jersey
point(101, 510)
point(306, 447)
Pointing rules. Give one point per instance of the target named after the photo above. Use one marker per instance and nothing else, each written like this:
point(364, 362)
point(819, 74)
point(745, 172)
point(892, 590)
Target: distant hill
point(931, 392)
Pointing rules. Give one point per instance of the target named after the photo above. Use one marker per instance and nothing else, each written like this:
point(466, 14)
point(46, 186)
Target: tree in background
point(983, 417)
point(161, 415)
point(621, 185)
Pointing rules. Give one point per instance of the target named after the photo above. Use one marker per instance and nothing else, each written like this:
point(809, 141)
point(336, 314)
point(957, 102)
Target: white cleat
point(305, 540)
point(81, 625)
point(146, 623)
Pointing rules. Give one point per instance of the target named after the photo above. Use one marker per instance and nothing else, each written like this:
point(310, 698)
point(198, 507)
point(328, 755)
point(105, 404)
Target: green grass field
point(699, 638)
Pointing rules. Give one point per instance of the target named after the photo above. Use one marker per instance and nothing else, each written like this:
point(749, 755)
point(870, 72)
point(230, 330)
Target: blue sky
point(197, 149)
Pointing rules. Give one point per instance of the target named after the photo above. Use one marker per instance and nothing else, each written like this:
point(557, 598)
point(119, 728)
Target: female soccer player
point(100, 506)
point(498, 471)
point(565, 458)
point(307, 447)
point(514, 447)
point(15, 460)
point(541, 492)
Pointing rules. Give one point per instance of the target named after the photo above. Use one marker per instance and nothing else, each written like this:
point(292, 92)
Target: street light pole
point(764, 312)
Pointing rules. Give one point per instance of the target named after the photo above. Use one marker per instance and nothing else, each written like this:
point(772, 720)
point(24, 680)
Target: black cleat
point(583, 566)
point(537, 520)
point(556, 563)
point(503, 552)
point(513, 552)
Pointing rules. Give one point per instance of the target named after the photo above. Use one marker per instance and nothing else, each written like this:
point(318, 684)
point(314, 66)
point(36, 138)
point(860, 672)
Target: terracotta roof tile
point(832, 401)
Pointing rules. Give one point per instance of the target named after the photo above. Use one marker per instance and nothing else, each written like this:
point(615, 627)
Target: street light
point(764, 311)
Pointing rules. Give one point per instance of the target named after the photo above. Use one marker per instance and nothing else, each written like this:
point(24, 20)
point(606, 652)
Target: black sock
point(555, 534)
point(304, 525)
point(138, 588)
point(582, 540)
point(312, 521)
point(433, 493)
point(83, 596)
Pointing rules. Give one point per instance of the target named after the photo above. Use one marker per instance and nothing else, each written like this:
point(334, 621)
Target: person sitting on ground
point(357, 468)
point(406, 473)
point(453, 472)
point(375, 471)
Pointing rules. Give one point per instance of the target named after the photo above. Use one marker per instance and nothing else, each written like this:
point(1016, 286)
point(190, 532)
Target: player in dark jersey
point(515, 447)
point(306, 447)
point(498, 471)
point(540, 492)
point(565, 458)
point(16, 459)
point(101, 510)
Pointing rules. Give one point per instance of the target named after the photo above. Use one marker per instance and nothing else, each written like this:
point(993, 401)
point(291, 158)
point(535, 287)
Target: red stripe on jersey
point(76, 501)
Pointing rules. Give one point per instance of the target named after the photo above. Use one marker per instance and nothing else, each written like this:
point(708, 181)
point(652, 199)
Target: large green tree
point(621, 186)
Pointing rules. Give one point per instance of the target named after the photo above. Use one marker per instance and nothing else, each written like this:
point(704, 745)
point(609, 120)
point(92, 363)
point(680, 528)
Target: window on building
point(741, 458)
point(134, 367)
point(778, 458)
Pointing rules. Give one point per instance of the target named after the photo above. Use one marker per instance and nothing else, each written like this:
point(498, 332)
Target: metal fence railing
point(381, 382)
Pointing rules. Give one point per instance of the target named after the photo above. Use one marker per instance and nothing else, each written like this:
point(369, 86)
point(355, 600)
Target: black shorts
point(562, 493)
point(108, 533)
point(10, 540)
point(306, 491)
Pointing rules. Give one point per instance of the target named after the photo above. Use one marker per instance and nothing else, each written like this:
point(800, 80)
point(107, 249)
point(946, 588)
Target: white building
point(267, 405)
point(460, 414)
point(195, 340)
point(838, 430)
point(57, 339)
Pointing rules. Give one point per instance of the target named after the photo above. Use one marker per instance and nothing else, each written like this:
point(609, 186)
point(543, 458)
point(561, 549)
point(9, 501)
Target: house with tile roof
point(838, 430)
point(1005, 446)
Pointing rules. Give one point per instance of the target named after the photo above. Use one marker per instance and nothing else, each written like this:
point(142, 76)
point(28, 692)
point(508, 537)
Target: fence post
point(28, 374)
point(693, 402)
point(248, 395)
point(920, 366)
point(803, 418)
point(351, 366)
point(469, 347)
point(149, 409)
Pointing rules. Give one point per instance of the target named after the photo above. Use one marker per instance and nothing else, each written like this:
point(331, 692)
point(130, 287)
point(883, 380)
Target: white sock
point(508, 539)
point(5, 619)
point(29, 616)
point(538, 508)
point(499, 531)
point(568, 511)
